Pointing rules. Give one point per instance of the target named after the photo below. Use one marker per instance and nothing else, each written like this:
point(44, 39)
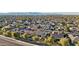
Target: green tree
point(15, 35)
point(8, 33)
point(64, 42)
point(25, 36)
point(1, 32)
point(49, 40)
point(35, 38)
point(76, 43)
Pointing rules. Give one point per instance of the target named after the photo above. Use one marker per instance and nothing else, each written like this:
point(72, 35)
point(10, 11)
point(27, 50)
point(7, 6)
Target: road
point(5, 41)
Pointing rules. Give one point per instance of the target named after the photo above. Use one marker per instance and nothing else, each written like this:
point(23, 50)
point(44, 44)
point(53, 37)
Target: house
point(57, 35)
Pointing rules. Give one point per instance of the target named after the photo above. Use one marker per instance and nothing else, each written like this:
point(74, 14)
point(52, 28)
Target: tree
point(6, 28)
point(35, 38)
point(1, 32)
point(49, 40)
point(3, 29)
point(8, 33)
point(25, 36)
point(15, 35)
point(76, 43)
point(64, 42)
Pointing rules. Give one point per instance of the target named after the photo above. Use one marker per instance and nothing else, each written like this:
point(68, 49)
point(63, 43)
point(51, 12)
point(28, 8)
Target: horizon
point(39, 13)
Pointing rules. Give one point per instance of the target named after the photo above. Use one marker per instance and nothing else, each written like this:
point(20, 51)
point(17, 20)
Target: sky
point(38, 6)
point(24, 5)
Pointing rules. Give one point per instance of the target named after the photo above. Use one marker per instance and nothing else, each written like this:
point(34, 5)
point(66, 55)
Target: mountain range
point(40, 13)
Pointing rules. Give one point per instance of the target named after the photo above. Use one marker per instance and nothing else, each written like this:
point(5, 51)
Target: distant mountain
point(40, 13)
point(28, 13)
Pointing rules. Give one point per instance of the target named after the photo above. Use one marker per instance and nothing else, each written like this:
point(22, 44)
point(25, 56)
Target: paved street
point(5, 41)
